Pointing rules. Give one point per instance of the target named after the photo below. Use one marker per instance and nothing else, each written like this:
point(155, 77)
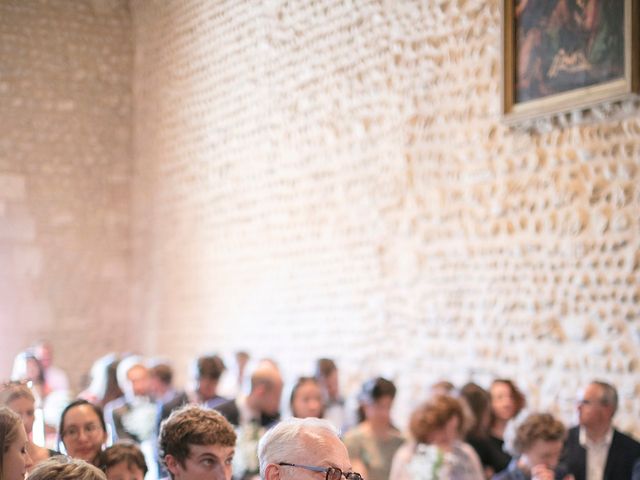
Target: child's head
point(124, 461)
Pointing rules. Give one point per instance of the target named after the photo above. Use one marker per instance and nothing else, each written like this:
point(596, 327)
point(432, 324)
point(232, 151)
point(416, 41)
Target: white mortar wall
point(332, 178)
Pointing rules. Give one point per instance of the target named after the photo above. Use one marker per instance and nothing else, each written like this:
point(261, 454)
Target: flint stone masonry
point(332, 178)
point(65, 166)
point(311, 178)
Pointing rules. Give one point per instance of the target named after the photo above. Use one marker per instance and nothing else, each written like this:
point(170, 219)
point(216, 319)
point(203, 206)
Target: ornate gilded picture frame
point(563, 55)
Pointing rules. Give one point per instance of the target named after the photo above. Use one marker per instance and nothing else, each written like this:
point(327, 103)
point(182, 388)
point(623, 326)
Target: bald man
point(253, 415)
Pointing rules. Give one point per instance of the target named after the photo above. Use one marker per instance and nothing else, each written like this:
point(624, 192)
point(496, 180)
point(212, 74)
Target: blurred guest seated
point(235, 380)
point(206, 372)
point(335, 409)
point(103, 386)
point(19, 398)
point(253, 415)
point(124, 461)
point(132, 416)
point(536, 447)
point(162, 391)
point(14, 458)
point(436, 449)
point(55, 379)
point(306, 399)
point(374, 441)
point(594, 449)
point(27, 368)
point(479, 402)
point(506, 402)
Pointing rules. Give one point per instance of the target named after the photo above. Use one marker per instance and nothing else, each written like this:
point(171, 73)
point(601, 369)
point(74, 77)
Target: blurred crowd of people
point(466, 433)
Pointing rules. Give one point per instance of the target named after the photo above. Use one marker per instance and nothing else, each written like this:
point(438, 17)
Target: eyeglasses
point(74, 432)
point(333, 473)
point(17, 383)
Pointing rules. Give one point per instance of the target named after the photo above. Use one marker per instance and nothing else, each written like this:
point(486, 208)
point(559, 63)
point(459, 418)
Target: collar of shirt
point(585, 442)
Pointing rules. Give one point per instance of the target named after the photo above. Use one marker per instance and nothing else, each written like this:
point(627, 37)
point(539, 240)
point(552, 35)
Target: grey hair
point(61, 467)
point(609, 394)
point(124, 366)
point(284, 440)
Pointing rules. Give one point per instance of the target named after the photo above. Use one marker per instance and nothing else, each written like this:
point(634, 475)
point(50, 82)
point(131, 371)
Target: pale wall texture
point(332, 178)
point(65, 169)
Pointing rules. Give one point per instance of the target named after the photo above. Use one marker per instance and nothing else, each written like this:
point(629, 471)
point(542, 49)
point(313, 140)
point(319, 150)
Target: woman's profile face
point(379, 412)
point(25, 407)
point(307, 401)
point(503, 403)
point(15, 459)
point(82, 434)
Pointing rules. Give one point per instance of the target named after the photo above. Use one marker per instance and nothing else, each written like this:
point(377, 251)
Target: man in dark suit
point(162, 391)
point(594, 450)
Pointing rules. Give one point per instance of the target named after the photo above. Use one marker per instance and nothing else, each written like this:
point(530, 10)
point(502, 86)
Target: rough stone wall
point(332, 178)
point(65, 169)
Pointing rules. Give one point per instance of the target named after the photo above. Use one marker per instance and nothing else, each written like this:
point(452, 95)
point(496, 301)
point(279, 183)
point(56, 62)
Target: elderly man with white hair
point(300, 448)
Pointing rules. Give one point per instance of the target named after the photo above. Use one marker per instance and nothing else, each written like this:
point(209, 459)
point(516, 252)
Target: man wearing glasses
point(594, 450)
point(304, 448)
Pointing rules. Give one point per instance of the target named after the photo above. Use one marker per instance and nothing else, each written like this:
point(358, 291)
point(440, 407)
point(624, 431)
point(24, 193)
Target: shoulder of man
point(625, 441)
point(229, 410)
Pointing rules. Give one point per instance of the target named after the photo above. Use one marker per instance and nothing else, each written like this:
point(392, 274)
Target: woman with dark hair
point(479, 403)
point(374, 441)
point(506, 402)
point(14, 458)
point(83, 431)
point(19, 398)
point(306, 399)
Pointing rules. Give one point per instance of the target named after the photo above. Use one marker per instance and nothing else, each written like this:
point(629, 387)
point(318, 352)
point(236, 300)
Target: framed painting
point(563, 55)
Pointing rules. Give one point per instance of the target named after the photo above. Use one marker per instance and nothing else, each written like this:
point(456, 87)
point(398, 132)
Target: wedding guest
point(206, 372)
point(19, 398)
point(27, 368)
point(124, 461)
point(196, 444)
point(83, 431)
point(304, 448)
point(436, 428)
point(55, 378)
point(537, 446)
point(14, 457)
point(506, 402)
point(65, 468)
point(374, 441)
point(594, 448)
point(132, 416)
point(253, 415)
point(103, 386)
point(479, 403)
point(306, 399)
point(335, 409)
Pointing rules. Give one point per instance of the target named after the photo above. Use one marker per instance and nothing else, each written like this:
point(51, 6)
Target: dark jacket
point(623, 454)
